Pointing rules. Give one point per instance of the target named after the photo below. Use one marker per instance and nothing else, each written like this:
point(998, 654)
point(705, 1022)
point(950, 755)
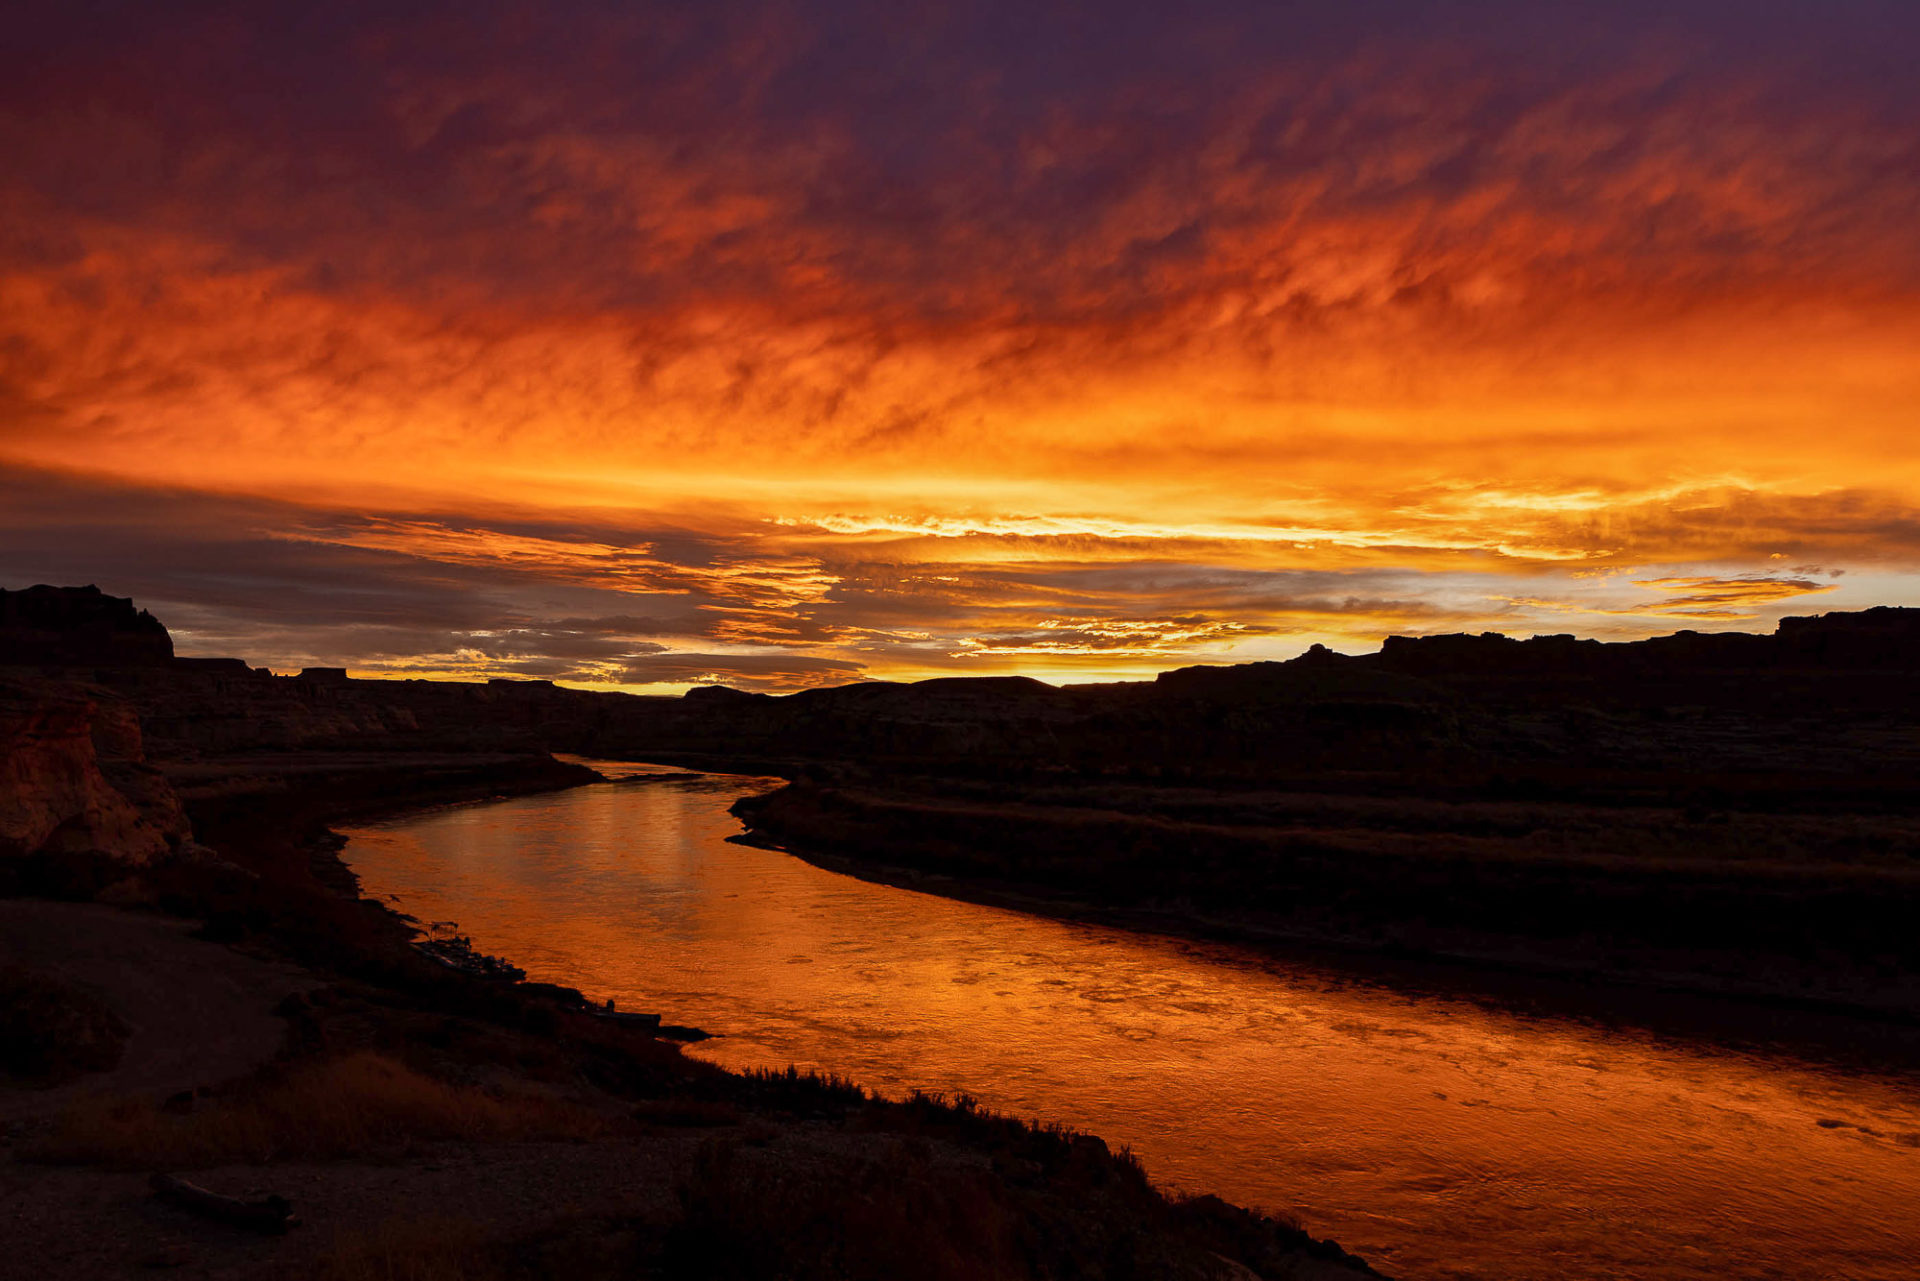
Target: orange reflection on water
point(1437, 1138)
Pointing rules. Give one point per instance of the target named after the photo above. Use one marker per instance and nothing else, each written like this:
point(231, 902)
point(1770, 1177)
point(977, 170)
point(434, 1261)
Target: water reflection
point(1437, 1137)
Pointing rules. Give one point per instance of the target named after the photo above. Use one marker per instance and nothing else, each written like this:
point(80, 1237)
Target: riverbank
point(1136, 858)
point(427, 1119)
point(1435, 1131)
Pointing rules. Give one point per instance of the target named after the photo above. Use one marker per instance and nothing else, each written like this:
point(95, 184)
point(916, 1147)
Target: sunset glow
point(747, 343)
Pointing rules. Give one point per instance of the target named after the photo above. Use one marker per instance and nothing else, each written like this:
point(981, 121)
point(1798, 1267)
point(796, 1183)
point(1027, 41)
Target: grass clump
point(863, 1221)
point(804, 1093)
point(413, 1250)
point(358, 1105)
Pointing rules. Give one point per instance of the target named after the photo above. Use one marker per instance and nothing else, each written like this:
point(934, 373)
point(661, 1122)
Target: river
point(1434, 1135)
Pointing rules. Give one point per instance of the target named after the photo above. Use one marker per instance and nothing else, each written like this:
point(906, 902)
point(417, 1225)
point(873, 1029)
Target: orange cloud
point(1728, 597)
point(813, 340)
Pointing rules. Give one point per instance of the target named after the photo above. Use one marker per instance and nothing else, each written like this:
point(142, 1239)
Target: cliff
point(110, 741)
point(1823, 702)
point(74, 777)
point(78, 627)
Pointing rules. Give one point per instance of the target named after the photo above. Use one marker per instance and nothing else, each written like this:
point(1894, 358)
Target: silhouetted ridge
point(78, 627)
point(1489, 652)
point(1880, 638)
point(721, 696)
point(1317, 676)
point(1487, 706)
point(961, 694)
point(1736, 807)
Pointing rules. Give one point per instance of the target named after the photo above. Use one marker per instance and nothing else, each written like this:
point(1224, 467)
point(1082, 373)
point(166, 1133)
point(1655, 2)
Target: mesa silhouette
point(1731, 811)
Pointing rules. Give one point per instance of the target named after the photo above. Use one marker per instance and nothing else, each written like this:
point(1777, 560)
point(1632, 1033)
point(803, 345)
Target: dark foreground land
point(1724, 814)
point(426, 1123)
point(1731, 814)
point(191, 986)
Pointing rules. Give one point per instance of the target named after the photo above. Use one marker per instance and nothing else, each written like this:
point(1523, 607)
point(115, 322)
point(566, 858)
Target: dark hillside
point(1731, 810)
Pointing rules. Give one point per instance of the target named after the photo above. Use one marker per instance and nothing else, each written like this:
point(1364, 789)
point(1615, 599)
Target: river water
point(1436, 1136)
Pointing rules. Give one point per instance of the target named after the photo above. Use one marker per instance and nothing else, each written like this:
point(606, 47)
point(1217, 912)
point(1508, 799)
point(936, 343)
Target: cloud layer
point(879, 339)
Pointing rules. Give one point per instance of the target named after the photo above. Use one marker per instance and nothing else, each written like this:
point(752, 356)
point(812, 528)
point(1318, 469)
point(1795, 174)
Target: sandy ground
point(200, 1013)
point(89, 1224)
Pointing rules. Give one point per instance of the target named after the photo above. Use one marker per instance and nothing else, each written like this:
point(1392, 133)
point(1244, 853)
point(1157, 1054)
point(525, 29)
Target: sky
point(785, 344)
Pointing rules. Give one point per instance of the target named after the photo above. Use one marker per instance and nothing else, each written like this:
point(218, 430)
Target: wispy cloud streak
point(869, 338)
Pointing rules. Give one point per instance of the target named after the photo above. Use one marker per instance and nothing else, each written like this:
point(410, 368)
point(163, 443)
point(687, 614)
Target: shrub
point(423, 1250)
point(358, 1105)
point(868, 1221)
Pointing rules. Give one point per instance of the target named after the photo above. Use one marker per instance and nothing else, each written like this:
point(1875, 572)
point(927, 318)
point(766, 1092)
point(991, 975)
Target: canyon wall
point(74, 778)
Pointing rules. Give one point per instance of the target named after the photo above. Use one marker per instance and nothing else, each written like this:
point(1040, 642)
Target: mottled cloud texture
point(787, 344)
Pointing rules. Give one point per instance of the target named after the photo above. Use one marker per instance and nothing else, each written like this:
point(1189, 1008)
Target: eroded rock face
point(78, 627)
point(74, 779)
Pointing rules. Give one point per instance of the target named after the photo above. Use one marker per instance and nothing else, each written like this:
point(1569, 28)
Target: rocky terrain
point(74, 775)
point(79, 627)
point(1731, 813)
point(1735, 812)
point(201, 992)
point(1826, 704)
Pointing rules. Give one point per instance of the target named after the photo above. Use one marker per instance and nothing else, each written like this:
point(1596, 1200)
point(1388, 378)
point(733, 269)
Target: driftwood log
point(269, 1214)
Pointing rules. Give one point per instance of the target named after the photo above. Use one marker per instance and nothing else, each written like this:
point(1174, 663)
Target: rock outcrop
point(74, 778)
point(1818, 698)
point(1823, 698)
point(1701, 800)
point(78, 627)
